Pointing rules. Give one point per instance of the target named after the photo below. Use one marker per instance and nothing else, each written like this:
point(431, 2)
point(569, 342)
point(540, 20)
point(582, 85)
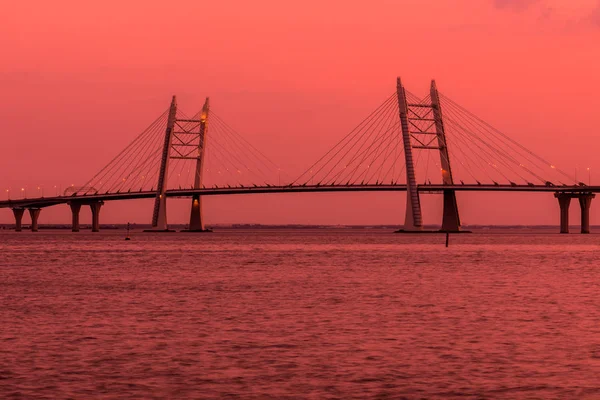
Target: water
point(299, 314)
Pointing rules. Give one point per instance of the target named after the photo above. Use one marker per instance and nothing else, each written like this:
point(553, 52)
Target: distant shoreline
point(8, 227)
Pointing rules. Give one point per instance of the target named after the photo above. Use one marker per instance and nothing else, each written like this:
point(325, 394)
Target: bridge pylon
point(422, 126)
point(196, 213)
point(450, 219)
point(413, 220)
point(159, 217)
point(185, 140)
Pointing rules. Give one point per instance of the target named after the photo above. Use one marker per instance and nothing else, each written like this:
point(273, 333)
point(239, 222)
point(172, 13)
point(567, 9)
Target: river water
point(299, 314)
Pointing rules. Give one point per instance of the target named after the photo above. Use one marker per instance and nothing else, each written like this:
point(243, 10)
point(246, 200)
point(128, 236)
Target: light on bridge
point(589, 176)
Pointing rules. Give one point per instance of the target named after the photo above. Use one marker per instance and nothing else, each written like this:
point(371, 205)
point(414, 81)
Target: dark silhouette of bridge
point(406, 144)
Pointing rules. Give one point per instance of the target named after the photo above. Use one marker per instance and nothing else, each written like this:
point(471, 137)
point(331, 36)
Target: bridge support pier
point(585, 201)
point(75, 208)
point(34, 213)
point(96, 215)
point(18, 212)
point(564, 201)
point(450, 219)
point(197, 216)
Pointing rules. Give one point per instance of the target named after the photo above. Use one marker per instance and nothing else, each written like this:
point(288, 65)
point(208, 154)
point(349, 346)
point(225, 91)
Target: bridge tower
point(159, 217)
point(416, 121)
point(450, 219)
point(196, 214)
point(185, 139)
point(413, 219)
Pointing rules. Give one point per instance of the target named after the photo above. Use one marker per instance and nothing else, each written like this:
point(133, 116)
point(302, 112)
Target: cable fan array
point(230, 160)
point(373, 152)
point(135, 168)
point(370, 154)
point(482, 154)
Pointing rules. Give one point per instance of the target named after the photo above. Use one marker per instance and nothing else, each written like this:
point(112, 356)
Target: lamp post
point(589, 176)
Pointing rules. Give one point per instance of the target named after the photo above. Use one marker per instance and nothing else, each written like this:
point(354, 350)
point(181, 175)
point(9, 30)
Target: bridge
point(428, 145)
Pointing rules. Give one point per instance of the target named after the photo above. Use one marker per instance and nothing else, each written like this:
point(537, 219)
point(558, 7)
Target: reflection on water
point(303, 314)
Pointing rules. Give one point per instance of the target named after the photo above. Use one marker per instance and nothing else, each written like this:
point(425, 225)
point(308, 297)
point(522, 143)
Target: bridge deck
point(50, 201)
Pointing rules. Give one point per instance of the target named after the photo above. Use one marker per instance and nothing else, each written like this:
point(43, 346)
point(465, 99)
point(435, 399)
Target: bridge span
point(95, 201)
point(405, 140)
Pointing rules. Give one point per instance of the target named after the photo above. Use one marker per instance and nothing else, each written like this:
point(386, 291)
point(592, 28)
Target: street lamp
point(8, 194)
point(23, 192)
point(589, 176)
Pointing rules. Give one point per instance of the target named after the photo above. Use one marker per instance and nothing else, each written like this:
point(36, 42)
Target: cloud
point(518, 5)
point(582, 14)
point(594, 16)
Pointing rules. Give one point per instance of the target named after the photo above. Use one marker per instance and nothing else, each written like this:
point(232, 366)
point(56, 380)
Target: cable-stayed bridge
point(420, 145)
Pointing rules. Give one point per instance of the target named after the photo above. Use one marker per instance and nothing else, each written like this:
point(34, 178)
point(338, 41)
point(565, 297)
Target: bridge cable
point(147, 132)
point(380, 125)
point(348, 137)
point(367, 133)
point(502, 153)
point(511, 144)
point(508, 138)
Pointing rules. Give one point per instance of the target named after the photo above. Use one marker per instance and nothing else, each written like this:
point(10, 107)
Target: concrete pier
point(75, 208)
point(196, 216)
point(585, 201)
point(564, 201)
point(96, 215)
point(450, 218)
point(18, 212)
point(34, 213)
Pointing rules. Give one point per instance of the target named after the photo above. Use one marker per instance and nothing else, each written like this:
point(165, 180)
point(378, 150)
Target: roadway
point(41, 202)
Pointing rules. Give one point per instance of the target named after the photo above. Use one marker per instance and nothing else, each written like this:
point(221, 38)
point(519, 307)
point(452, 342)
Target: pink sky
point(79, 82)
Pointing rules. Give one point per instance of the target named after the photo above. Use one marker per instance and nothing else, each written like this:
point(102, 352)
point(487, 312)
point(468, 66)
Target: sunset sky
point(78, 82)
